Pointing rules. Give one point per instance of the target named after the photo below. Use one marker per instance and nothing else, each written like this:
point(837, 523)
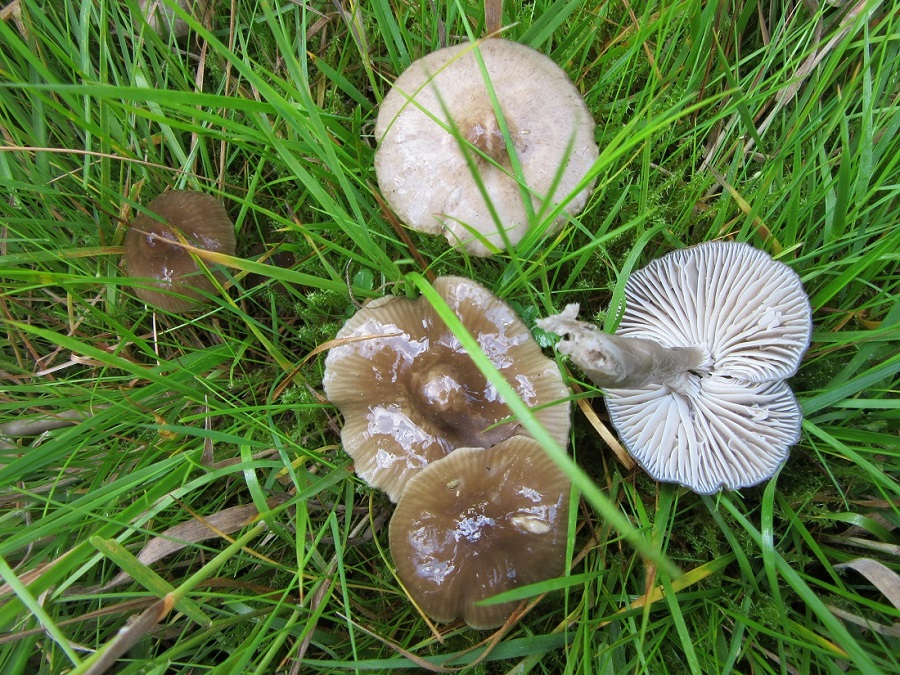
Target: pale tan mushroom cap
point(410, 394)
point(478, 523)
point(203, 222)
point(420, 165)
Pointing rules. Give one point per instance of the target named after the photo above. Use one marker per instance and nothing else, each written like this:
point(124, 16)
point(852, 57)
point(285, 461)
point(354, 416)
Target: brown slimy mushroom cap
point(694, 375)
point(410, 394)
point(178, 282)
point(421, 165)
point(477, 523)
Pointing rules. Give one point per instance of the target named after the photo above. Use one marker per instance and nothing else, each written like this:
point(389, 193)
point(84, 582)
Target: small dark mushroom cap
point(421, 165)
point(477, 523)
point(410, 393)
point(203, 222)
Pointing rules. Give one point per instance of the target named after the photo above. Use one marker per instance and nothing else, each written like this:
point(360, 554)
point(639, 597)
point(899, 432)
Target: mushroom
point(178, 283)
point(163, 19)
point(477, 523)
point(410, 393)
point(694, 376)
point(439, 114)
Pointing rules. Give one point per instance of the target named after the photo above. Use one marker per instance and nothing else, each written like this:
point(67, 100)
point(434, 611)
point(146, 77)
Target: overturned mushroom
point(178, 283)
point(410, 393)
point(694, 376)
point(439, 113)
point(478, 523)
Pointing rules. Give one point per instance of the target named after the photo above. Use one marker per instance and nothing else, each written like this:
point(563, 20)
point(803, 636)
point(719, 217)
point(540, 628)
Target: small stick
point(493, 17)
point(36, 426)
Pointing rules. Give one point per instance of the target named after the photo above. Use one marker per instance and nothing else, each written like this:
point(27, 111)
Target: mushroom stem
point(611, 361)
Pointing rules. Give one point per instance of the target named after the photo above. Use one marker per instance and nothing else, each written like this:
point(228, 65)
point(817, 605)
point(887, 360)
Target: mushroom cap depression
point(694, 376)
point(179, 283)
point(478, 523)
point(421, 164)
point(751, 318)
point(409, 393)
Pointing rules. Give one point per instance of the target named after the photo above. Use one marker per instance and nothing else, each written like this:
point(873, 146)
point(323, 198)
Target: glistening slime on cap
point(410, 394)
point(478, 523)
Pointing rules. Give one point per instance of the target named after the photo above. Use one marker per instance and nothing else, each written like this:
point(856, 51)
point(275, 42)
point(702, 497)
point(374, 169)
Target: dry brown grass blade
point(637, 29)
point(127, 637)
point(809, 65)
point(13, 12)
point(19, 493)
point(884, 547)
point(193, 531)
point(29, 577)
point(620, 452)
point(890, 631)
point(882, 577)
point(118, 608)
point(36, 426)
point(317, 600)
point(801, 75)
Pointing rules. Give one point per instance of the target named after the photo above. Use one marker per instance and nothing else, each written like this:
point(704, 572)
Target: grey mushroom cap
point(748, 313)
point(178, 283)
point(694, 377)
point(421, 165)
point(728, 435)
point(477, 523)
point(410, 394)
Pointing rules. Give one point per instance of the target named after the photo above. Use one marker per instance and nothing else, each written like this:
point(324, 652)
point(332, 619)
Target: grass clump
point(763, 122)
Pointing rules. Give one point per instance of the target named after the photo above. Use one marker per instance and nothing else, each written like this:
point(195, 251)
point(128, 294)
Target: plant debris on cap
point(179, 284)
point(694, 375)
point(478, 523)
point(409, 393)
point(421, 162)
